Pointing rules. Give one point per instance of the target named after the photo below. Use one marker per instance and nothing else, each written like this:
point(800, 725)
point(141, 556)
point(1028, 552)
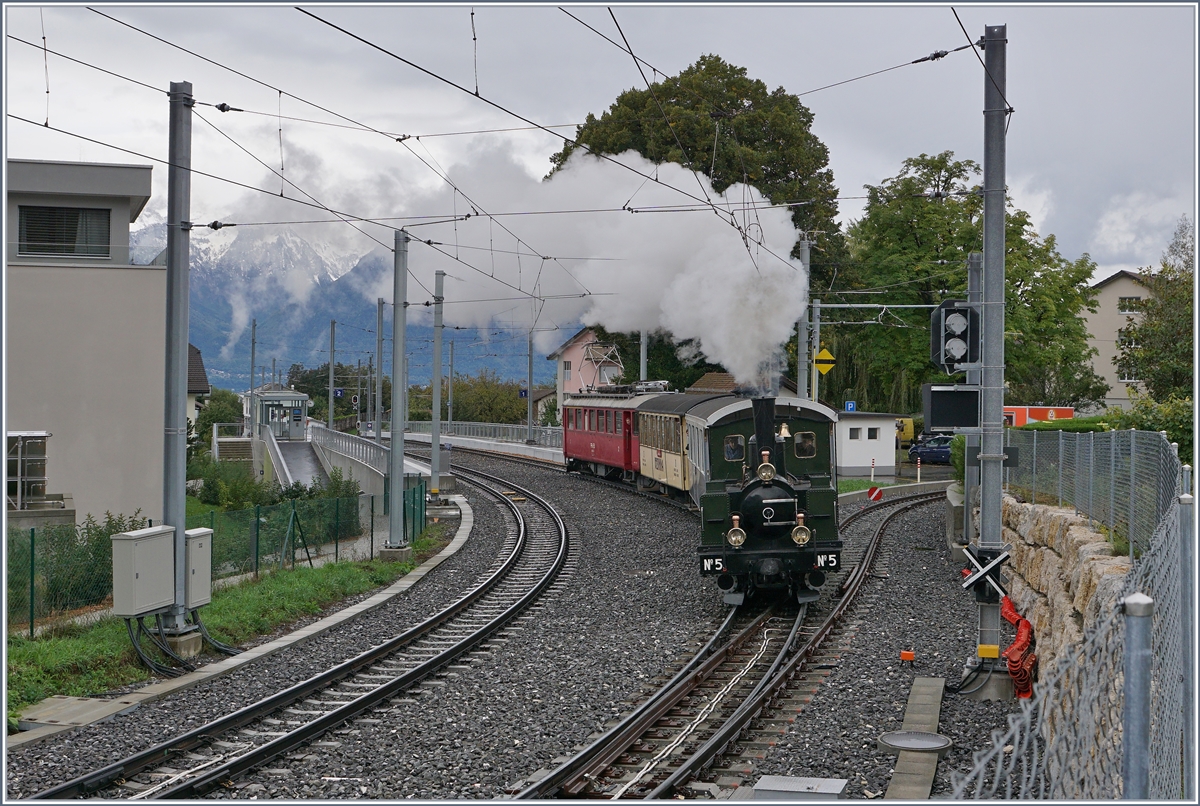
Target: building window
point(64, 231)
point(855, 433)
point(1129, 304)
point(872, 433)
point(566, 370)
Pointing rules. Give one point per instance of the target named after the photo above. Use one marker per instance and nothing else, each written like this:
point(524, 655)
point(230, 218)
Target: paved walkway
point(72, 712)
point(302, 462)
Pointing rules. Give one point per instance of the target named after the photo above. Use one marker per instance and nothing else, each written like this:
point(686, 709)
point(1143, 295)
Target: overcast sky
point(1101, 147)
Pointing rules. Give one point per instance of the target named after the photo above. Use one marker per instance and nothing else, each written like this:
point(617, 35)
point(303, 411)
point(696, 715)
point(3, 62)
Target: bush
point(1173, 416)
point(1077, 425)
point(958, 457)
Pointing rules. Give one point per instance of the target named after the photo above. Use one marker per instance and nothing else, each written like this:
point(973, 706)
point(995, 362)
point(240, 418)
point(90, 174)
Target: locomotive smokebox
point(764, 428)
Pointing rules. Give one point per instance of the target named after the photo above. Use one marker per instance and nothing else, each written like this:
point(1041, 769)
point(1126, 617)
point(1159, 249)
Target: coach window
point(855, 433)
point(806, 445)
point(618, 421)
point(872, 433)
point(608, 426)
point(735, 448)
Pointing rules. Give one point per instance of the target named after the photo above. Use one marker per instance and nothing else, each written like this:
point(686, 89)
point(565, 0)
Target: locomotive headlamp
point(736, 536)
point(801, 534)
point(766, 471)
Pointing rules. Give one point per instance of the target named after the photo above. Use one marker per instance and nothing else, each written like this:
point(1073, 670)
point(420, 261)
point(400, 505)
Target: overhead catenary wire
point(282, 92)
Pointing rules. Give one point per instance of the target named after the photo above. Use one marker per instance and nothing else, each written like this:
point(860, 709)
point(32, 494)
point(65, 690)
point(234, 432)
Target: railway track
point(703, 711)
point(533, 556)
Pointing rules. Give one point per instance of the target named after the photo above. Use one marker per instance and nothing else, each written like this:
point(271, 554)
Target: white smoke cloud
point(689, 272)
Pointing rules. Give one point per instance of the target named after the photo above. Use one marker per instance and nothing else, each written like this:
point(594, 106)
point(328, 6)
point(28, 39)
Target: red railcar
point(600, 433)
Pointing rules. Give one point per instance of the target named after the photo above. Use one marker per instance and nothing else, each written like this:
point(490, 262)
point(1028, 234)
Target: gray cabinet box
point(143, 571)
point(198, 588)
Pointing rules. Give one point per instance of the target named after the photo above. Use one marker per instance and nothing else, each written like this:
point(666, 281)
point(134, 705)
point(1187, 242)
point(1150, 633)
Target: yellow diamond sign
point(824, 361)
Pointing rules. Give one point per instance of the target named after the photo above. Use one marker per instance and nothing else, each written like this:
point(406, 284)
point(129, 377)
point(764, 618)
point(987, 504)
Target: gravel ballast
point(633, 606)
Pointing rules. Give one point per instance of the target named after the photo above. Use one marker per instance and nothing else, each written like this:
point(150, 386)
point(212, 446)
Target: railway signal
point(824, 361)
point(954, 336)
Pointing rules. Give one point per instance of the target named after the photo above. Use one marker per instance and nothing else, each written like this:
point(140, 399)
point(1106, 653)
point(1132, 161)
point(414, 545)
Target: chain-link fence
point(1066, 742)
point(64, 573)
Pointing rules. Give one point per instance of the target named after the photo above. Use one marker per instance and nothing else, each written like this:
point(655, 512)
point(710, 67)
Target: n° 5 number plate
point(829, 560)
point(713, 565)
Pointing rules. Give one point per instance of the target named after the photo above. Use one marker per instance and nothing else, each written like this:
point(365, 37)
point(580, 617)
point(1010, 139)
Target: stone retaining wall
point(1062, 575)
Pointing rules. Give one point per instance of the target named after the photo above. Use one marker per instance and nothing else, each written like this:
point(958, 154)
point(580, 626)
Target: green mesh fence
point(59, 573)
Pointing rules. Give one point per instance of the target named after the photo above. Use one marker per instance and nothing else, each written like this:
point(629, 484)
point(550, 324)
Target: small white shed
point(863, 436)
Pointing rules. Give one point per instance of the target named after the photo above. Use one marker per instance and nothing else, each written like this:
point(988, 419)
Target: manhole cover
point(917, 740)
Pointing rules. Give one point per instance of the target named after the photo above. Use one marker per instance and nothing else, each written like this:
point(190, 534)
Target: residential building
point(85, 332)
point(584, 363)
point(1117, 298)
point(198, 388)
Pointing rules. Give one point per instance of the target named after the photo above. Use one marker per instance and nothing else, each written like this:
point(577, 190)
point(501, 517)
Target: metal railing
point(546, 436)
point(283, 473)
point(1067, 742)
point(227, 430)
point(364, 450)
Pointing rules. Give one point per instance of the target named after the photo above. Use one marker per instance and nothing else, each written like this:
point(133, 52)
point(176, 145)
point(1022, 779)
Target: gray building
point(1117, 297)
point(85, 332)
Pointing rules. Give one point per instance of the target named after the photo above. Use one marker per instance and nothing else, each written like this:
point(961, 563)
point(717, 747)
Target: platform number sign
point(339, 393)
point(524, 394)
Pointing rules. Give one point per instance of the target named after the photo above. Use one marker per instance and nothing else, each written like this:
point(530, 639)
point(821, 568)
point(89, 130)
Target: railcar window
point(608, 426)
point(619, 417)
point(735, 448)
point(806, 445)
point(872, 433)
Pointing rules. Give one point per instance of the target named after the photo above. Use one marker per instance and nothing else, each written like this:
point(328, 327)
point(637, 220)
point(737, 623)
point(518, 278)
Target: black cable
point(282, 92)
point(1008, 107)
point(86, 64)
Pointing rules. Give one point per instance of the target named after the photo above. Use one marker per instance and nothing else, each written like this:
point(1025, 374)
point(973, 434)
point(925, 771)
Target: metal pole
point(357, 391)
point(1187, 535)
point(991, 453)
point(32, 571)
point(250, 392)
point(1135, 740)
point(377, 418)
point(436, 431)
point(332, 325)
point(257, 525)
point(179, 189)
point(272, 370)
point(802, 330)
point(529, 394)
point(1033, 484)
point(450, 392)
point(1060, 466)
point(643, 358)
point(974, 376)
point(395, 537)
point(1132, 448)
point(816, 348)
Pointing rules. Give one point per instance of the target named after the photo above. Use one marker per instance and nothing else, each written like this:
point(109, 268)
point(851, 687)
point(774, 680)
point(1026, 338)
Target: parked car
point(935, 450)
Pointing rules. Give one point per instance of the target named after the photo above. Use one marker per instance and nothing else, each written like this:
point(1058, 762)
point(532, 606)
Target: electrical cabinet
point(143, 571)
point(198, 588)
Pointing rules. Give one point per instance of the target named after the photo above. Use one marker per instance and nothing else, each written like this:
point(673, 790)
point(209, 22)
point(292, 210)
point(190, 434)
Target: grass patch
point(197, 507)
point(854, 485)
point(87, 660)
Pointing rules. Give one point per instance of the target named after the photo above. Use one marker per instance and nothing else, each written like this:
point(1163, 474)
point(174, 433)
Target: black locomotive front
point(766, 543)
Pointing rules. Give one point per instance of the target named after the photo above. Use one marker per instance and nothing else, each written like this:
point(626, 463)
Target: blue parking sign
point(851, 405)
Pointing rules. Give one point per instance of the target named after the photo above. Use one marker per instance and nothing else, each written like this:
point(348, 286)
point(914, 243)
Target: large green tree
point(910, 248)
point(1157, 347)
point(716, 120)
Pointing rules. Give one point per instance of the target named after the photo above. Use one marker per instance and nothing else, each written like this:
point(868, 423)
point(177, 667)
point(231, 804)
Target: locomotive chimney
point(764, 426)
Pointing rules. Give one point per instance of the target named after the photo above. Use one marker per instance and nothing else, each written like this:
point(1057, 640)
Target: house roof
point(1132, 275)
point(197, 377)
point(562, 347)
point(82, 179)
point(542, 394)
point(724, 383)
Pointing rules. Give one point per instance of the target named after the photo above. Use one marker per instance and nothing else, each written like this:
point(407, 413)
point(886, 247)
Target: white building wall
point(854, 455)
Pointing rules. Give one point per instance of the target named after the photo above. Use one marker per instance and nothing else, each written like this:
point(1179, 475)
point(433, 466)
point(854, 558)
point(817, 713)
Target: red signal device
point(875, 494)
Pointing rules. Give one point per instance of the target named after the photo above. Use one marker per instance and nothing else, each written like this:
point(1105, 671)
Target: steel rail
point(165, 751)
point(728, 733)
point(310, 730)
point(601, 752)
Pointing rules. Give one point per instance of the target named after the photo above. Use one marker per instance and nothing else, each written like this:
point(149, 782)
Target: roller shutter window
point(64, 231)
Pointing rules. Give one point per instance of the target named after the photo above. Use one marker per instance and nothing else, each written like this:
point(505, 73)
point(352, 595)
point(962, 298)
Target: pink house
point(584, 363)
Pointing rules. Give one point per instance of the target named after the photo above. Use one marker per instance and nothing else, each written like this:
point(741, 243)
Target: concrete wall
point(1062, 575)
point(86, 353)
point(370, 481)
